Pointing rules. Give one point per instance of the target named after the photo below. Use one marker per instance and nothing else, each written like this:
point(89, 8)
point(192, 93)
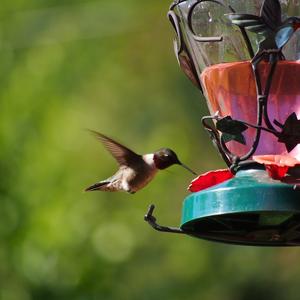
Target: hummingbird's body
point(128, 179)
point(135, 171)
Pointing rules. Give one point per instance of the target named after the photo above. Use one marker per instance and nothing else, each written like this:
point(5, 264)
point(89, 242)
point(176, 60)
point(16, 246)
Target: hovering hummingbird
point(275, 32)
point(135, 171)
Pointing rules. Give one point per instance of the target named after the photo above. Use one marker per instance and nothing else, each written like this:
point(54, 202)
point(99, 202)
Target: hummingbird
point(135, 171)
point(275, 32)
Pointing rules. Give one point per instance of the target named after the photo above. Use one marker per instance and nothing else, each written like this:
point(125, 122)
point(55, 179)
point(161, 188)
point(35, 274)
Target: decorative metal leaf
point(230, 137)
point(271, 13)
point(231, 126)
point(290, 134)
point(231, 129)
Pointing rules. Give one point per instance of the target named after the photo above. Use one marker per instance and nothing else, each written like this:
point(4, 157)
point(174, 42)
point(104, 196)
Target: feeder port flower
point(277, 166)
point(209, 179)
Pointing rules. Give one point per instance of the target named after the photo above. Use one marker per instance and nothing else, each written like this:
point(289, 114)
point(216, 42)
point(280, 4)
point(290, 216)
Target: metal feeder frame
point(288, 233)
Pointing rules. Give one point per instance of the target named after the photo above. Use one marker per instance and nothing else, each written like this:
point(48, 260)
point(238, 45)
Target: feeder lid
point(249, 209)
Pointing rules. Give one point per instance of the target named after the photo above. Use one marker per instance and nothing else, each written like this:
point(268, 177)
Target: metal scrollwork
point(182, 53)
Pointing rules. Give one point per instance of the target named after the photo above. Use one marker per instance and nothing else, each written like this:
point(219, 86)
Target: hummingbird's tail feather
point(97, 186)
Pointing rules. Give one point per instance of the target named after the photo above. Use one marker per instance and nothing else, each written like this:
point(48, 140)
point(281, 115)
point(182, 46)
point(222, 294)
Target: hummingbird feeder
point(244, 56)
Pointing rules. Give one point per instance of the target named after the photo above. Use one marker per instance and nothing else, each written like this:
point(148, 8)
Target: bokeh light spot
point(113, 242)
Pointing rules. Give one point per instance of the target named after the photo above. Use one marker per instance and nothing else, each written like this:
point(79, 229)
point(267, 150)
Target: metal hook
point(152, 222)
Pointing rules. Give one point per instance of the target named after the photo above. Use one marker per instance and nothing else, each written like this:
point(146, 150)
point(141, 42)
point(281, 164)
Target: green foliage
point(108, 66)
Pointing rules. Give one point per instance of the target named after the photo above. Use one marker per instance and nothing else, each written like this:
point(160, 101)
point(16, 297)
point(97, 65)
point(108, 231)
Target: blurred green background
point(108, 66)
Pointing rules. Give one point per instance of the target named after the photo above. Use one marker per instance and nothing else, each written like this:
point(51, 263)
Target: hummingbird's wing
point(250, 22)
point(122, 154)
point(271, 13)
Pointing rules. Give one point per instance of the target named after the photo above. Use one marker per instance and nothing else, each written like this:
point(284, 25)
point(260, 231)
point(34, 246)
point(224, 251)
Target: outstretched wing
point(122, 154)
point(271, 13)
point(250, 22)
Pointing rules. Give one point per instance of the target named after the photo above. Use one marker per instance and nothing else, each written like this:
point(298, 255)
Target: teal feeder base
point(250, 209)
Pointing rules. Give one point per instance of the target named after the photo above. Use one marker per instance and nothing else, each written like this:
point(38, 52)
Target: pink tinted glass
point(230, 89)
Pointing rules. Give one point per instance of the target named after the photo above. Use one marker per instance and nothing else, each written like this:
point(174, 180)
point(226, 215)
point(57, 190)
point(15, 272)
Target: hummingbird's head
point(165, 158)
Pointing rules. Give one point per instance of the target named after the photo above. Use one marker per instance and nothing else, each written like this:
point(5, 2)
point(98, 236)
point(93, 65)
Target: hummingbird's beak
point(187, 168)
